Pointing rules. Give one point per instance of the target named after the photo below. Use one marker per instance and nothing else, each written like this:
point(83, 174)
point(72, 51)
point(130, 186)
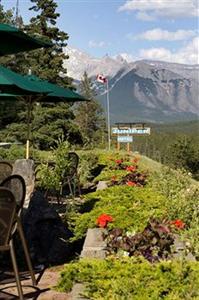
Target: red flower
point(119, 161)
point(178, 224)
point(135, 160)
point(131, 168)
point(103, 220)
point(113, 178)
point(131, 183)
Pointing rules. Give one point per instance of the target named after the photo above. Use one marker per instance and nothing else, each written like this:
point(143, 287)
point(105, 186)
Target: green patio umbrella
point(14, 86)
point(14, 40)
point(48, 93)
point(57, 93)
point(14, 83)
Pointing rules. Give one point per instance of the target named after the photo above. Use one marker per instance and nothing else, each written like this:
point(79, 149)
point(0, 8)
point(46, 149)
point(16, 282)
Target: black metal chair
point(16, 184)
point(5, 169)
point(70, 176)
point(8, 225)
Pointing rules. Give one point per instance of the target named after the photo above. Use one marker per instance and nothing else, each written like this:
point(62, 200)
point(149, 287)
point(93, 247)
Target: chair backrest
point(73, 160)
point(17, 185)
point(7, 215)
point(5, 170)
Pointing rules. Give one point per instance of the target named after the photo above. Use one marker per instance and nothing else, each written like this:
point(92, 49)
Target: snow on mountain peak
point(80, 62)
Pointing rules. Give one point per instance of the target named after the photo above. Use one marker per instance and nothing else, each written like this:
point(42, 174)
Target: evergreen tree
point(8, 111)
point(47, 63)
point(184, 153)
point(89, 115)
point(6, 16)
point(49, 121)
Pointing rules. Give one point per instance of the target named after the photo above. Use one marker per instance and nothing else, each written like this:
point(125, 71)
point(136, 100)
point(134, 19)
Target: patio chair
point(71, 176)
point(7, 229)
point(16, 184)
point(5, 169)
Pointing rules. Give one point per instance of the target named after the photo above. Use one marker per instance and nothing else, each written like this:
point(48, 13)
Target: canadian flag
point(101, 78)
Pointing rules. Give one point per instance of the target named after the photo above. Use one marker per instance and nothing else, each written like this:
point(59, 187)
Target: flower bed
point(130, 208)
point(142, 215)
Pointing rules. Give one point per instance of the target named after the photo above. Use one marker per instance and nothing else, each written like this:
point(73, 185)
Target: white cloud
point(156, 54)
point(167, 8)
point(141, 15)
point(158, 34)
point(94, 44)
point(186, 55)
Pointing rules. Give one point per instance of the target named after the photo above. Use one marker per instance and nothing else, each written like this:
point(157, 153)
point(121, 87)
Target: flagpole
point(108, 116)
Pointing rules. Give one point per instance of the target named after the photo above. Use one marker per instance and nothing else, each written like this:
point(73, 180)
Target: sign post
point(108, 116)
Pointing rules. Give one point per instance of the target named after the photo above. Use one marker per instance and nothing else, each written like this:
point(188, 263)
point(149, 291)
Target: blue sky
point(151, 29)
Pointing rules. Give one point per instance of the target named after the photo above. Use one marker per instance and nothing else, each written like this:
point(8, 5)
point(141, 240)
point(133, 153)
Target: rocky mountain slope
point(141, 90)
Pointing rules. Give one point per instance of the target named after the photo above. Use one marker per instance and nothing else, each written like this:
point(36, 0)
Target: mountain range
point(149, 91)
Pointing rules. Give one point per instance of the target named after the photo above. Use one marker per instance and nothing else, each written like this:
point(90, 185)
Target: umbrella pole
point(28, 132)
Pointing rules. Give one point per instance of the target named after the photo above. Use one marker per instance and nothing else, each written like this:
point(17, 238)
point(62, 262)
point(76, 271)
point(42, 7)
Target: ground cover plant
point(132, 279)
point(131, 207)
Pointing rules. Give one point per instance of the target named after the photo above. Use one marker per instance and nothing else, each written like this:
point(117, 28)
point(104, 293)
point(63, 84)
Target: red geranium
point(119, 161)
point(178, 224)
point(131, 168)
point(135, 160)
point(114, 178)
point(131, 183)
point(103, 220)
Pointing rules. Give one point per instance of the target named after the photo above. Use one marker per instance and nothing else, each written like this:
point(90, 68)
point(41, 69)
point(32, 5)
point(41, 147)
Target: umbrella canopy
point(12, 82)
point(48, 93)
point(57, 93)
point(14, 40)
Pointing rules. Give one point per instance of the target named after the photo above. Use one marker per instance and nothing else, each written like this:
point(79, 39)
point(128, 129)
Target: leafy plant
point(154, 242)
point(131, 179)
point(88, 162)
point(132, 279)
point(130, 207)
point(50, 174)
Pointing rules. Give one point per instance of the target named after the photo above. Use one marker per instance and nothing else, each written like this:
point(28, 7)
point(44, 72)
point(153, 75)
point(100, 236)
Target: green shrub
point(130, 207)
point(133, 279)
point(182, 201)
point(50, 177)
point(13, 153)
point(88, 162)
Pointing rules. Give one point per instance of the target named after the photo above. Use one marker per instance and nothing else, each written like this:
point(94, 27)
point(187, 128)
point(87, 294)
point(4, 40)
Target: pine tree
point(50, 121)
point(48, 63)
point(89, 115)
point(8, 111)
point(6, 16)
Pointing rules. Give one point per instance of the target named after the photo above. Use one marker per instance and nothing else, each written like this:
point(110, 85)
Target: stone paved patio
point(46, 280)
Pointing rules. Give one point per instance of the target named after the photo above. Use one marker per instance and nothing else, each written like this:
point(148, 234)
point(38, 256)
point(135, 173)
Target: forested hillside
point(176, 144)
